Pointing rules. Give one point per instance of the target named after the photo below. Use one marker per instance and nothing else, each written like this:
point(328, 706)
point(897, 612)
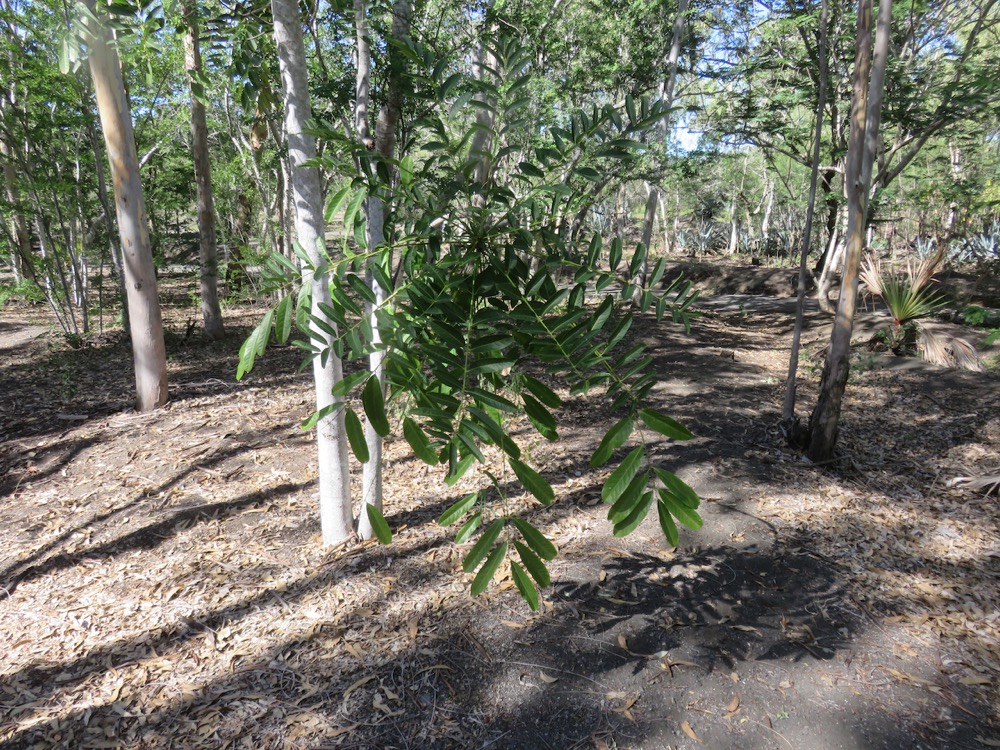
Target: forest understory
point(163, 585)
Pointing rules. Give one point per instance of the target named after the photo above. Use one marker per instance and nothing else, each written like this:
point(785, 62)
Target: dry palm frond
point(905, 295)
point(949, 351)
point(987, 483)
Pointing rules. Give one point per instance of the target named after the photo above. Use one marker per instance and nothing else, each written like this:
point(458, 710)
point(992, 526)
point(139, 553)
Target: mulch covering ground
point(163, 585)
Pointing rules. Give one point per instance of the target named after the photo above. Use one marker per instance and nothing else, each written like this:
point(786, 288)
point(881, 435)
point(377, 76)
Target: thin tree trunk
point(863, 142)
point(667, 101)
point(21, 252)
point(331, 438)
point(148, 351)
point(208, 252)
point(482, 140)
point(788, 409)
point(384, 146)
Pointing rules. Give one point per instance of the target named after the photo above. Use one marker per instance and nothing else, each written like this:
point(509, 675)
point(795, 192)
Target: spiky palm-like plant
point(907, 295)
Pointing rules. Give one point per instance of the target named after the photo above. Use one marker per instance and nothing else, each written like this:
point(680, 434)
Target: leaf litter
point(163, 585)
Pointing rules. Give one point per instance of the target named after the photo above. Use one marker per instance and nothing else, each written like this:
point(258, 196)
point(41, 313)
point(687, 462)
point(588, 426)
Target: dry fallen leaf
point(733, 707)
point(686, 728)
point(600, 744)
point(975, 681)
point(548, 679)
point(988, 743)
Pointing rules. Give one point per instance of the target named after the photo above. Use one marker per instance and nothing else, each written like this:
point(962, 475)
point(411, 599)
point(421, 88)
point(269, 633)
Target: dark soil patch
point(163, 586)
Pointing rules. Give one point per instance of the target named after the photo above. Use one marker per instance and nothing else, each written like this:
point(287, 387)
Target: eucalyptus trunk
point(866, 111)
point(788, 408)
point(383, 146)
point(146, 325)
point(208, 252)
point(667, 101)
point(331, 437)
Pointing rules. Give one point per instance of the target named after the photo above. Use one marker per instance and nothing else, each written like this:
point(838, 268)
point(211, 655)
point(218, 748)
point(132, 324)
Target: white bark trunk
point(384, 146)
point(208, 252)
point(331, 438)
point(146, 325)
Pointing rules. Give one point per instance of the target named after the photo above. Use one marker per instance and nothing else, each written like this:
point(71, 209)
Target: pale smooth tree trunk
point(482, 140)
point(331, 438)
point(788, 409)
point(146, 325)
point(208, 252)
point(21, 255)
point(383, 145)
point(866, 111)
point(667, 100)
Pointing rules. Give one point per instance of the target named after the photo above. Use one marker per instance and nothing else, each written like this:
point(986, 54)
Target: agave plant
point(907, 295)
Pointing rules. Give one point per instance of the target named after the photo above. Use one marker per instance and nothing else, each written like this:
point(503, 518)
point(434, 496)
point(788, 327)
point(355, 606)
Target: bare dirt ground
point(163, 585)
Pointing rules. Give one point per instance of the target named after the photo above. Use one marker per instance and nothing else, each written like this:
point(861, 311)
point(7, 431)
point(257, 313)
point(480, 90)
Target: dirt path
point(163, 588)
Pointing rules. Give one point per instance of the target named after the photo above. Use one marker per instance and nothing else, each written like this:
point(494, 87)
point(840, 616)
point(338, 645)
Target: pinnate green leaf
point(419, 443)
point(483, 545)
point(379, 525)
point(489, 569)
point(613, 440)
point(533, 563)
point(664, 425)
point(687, 516)
point(667, 524)
point(544, 548)
point(623, 475)
point(459, 509)
point(534, 482)
point(255, 345)
point(628, 524)
point(356, 435)
point(374, 403)
point(524, 585)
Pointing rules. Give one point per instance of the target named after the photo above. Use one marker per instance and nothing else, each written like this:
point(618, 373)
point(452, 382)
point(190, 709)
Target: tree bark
point(667, 100)
point(788, 409)
point(21, 256)
point(384, 145)
point(146, 325)
point(865, 115)
point(208, 253)
point(331, 438)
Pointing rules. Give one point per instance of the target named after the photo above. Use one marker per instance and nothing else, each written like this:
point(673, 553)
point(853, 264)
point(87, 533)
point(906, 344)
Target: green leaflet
point(483, 545)
point(679, 489)
point(680, 511)
point(623, 475)
point(540, 417)
point(345, 386)
point(613, 440)
point(615, 256)
point(419, 442)
point(469, 528)
point(382, 531)
point(628, 524)
point(628, 499)
point(535, 539)
point(664, 425)
point(313, 419)
point(374, 403)
point(356, 435)
point(255, 345)
point(458, 510)
point(534, 482)
point(533, 563)
point(524, 585)
point(489, 569)
point(542, 392)
point(667, 523)
point(284, 314)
